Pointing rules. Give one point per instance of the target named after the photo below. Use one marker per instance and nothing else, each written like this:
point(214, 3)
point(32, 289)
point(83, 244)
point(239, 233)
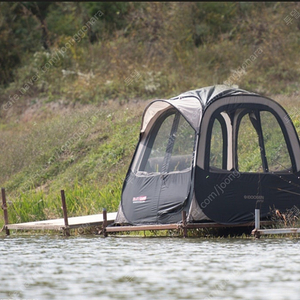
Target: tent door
point(174, 167)
point(163, 172)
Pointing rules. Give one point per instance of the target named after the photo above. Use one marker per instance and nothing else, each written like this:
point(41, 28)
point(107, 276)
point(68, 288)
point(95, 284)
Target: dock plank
point(58, 224)
point(143, 227)
point(275, 231)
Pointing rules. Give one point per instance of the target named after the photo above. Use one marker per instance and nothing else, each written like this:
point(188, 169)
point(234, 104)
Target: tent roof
point(190, 104)
point(212, 93)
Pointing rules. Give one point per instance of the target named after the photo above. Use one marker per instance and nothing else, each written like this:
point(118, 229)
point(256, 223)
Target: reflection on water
point(47, 267)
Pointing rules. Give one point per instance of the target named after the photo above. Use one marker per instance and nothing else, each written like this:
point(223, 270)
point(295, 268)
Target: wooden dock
point(183, 226)
point(65, 224)
point(257, 231)
point(59, 224)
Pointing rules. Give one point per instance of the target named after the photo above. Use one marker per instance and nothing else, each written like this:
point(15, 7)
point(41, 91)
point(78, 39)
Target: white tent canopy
point(189, 107)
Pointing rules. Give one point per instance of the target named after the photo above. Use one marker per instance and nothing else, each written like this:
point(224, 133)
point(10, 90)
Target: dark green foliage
point(17, 37)
point(142, 50)
point(212, 19)
point(114, 13)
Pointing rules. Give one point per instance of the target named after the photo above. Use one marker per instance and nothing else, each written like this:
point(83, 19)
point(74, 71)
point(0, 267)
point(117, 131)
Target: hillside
point(75, 78)
point(84, 150)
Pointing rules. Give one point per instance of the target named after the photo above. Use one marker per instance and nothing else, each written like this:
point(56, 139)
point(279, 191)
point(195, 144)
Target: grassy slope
point(85, 151)
point(52, 146)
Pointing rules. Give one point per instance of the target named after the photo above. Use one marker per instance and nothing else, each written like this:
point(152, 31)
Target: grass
point(76, 129)
point(85, 151)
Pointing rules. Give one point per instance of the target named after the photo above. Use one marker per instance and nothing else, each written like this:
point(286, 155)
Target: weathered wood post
point(257, 218)
point(64, 207)
point(184, 224)
point(104, 222)
point(257, 223)
point(4, 207)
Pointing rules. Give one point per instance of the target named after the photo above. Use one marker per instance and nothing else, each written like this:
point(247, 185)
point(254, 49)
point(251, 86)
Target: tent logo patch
point(254, 197)
point(139, 199)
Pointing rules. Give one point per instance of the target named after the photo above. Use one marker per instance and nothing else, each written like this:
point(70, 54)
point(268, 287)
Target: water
point(54, 267)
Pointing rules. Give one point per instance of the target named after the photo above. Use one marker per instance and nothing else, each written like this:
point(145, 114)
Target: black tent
point(216, 153)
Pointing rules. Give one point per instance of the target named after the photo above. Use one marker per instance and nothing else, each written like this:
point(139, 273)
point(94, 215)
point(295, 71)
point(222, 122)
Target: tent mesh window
point(216, 146)
point(249, 156)
point(170, 146)
point(276, 149)
point(261, 144)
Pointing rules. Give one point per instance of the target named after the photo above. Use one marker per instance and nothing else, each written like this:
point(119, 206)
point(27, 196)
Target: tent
point(217, 153)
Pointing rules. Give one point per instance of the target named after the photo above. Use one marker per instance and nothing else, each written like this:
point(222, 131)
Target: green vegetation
point(85, 151)
point(93, 52)
point(69, 71)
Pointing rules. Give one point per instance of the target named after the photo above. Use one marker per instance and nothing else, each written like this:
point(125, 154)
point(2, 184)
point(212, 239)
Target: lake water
point(54, 267)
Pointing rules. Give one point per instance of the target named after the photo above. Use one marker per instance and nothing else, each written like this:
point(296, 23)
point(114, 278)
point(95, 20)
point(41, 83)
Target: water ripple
point(53, 267)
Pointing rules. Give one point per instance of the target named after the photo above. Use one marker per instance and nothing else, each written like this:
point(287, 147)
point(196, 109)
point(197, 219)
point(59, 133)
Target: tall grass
point(80, 200)
point(91, 170)
point(86, 152)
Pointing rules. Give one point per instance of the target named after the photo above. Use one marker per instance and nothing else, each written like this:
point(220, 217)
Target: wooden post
point(64, 207)
point(4, 207)
point(257, 223)
point(184, 224)
point(257, 218)
point(104, 222)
